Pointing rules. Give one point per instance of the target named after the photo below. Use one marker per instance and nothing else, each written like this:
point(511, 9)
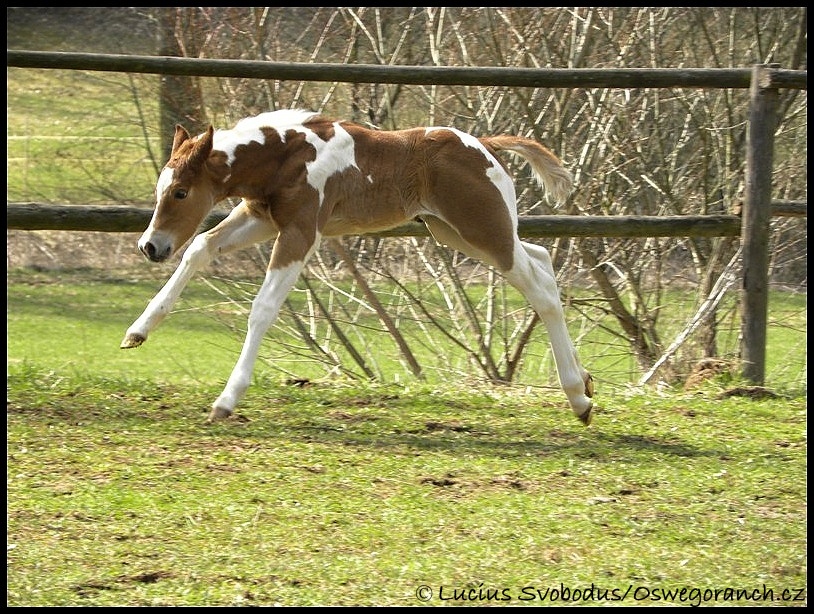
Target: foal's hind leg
point(239, 229)
point(532, 273)
point(533, 276)
point(542, 258)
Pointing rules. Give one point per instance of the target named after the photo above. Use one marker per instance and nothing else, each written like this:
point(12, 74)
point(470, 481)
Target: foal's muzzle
point(153, 253)
point(155, 247)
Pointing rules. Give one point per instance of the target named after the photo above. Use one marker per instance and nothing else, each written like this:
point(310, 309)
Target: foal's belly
point(368, 216)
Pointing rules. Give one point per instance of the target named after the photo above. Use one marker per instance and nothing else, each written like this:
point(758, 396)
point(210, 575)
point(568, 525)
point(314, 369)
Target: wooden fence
point(763, 81)
point(114, 218)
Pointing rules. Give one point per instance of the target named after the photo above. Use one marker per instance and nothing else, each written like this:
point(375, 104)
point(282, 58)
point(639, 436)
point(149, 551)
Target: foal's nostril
point(152, 252)
point(148, 249)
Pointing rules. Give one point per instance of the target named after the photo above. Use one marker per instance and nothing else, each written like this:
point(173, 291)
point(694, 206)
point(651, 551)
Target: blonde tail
point(547, 168)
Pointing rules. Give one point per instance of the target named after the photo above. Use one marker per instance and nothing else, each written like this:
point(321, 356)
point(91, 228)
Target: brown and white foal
point(302, 176)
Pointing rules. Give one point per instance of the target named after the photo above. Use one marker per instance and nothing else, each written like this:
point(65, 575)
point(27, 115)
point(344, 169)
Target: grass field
point(344, 493)
point(341, 495)
point(91, 124)
point(91, 309)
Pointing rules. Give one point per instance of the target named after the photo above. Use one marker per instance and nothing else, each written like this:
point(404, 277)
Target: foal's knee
point(198, 254)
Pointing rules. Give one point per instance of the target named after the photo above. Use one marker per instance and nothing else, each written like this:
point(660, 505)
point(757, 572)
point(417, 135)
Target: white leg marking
point(265, 309)
point(196, 257)
point(238, 230)
point(533, 275)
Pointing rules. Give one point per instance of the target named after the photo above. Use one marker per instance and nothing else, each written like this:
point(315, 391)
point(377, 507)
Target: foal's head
point(189, 186)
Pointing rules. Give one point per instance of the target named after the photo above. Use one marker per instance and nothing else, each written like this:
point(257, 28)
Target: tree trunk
point(181, 100)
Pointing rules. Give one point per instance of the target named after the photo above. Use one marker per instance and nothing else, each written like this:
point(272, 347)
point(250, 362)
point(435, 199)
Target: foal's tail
point(547, 168)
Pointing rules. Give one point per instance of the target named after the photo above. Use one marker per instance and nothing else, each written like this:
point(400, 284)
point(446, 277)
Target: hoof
point(586, 416)
point(132, 340)
point(217, 414)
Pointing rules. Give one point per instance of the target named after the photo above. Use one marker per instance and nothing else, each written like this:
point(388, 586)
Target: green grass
point(337, 494)
point(350, 493)
point(87, 319)
point(200, 341)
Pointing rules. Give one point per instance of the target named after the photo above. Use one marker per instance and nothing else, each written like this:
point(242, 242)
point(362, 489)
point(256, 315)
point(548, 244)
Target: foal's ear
point(181, 135)
point(202, 148)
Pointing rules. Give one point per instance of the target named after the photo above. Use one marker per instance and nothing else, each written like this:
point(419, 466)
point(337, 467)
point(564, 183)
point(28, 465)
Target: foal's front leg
point(291, 251)
point(239, 229)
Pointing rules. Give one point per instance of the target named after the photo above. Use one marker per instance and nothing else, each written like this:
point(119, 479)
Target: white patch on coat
point(163, 183)
point(333, 157)
point(161, 187)
point(495, 173)
point(249, 129)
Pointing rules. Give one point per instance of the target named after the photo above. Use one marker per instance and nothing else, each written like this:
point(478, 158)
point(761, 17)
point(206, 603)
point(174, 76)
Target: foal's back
point(403, 174)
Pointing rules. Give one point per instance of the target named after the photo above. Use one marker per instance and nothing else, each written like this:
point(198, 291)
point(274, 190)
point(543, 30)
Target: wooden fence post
point(756, 216)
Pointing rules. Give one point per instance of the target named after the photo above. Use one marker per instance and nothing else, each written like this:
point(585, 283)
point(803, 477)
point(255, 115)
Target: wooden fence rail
point(114, 218)
point(711, 78)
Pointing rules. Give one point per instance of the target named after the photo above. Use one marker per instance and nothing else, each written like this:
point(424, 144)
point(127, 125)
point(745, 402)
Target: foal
point(302, 176)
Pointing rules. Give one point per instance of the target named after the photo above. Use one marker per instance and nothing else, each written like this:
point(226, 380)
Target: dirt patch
point(752, 392)
point(51, 250)
point(150, 577)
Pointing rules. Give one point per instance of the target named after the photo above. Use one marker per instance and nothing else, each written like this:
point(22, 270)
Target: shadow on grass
point(162, 412)
point(590, 445)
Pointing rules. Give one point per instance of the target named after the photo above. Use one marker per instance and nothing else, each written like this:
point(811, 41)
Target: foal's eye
point(179, 194)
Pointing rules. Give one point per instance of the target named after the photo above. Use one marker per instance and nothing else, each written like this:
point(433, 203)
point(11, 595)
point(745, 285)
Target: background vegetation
point(99, 138)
